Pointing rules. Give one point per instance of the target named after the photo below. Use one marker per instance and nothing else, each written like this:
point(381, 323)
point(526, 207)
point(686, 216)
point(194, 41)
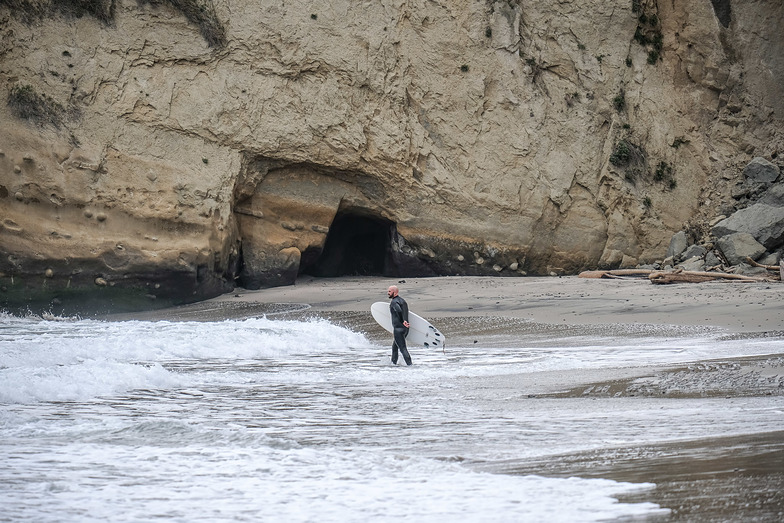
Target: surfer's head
point(392, 291)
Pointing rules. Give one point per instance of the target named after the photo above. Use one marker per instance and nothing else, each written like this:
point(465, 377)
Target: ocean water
point(264, 419)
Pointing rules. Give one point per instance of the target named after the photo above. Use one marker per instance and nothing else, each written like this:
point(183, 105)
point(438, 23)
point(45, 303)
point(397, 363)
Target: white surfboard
point(421, 333)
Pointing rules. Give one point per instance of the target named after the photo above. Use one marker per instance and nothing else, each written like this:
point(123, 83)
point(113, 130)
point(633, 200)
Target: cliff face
point(157, 153)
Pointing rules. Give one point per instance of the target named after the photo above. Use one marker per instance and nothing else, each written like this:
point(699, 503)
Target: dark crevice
point(723, 11)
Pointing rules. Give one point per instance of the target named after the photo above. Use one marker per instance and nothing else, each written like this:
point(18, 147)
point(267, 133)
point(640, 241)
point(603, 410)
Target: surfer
point(398, 309)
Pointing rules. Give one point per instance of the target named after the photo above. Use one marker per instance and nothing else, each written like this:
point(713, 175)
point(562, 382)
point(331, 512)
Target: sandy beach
point(736, 307)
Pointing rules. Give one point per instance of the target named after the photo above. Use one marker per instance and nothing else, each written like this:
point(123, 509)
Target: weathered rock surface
point(678, 244)
point(761, 170)
point(764, 222)
point(738, 246)
point(170, 158)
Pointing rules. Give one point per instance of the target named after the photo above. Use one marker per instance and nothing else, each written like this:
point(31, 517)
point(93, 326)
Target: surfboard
point(421, 333)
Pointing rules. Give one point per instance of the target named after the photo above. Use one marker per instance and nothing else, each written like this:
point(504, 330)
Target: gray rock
point(712, 260)
point(764, 222)
point(761, 170)
point(748, 189)
point(769, 259)
point(694, 250)
point(774, 196)
point(748, 270)
point(737, 246)
point(678, 244)
point(695, 263)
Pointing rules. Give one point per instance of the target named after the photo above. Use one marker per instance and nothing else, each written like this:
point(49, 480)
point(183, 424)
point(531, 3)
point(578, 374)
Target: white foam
point(208, 483)
point(46, 360)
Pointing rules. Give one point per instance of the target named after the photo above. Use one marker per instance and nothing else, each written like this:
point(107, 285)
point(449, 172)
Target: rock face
point(172, 153)
point(739, 246)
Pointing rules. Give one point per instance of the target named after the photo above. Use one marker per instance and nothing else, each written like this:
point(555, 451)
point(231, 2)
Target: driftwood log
point(679, 276)
point(676, 276)
point(769, 267)
point(616, 273)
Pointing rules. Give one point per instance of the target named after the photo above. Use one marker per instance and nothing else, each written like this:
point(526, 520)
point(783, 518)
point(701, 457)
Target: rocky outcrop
point(154, 153)
point(750, 241)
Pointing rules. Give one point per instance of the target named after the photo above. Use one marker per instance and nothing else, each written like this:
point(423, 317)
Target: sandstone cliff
point(159, 152)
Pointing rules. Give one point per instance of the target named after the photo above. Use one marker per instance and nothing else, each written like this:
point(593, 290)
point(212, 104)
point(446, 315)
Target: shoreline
point(734, 307)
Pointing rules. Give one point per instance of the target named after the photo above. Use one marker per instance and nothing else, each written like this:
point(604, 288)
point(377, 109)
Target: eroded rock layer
point(162, 152)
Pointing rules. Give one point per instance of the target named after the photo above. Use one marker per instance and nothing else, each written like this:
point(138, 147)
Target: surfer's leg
point(394, 353)
point(406, 355)
point(400, 343)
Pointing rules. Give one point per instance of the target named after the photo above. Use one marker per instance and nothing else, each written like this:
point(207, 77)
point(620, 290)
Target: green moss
point(621, 154)
point(619, 102)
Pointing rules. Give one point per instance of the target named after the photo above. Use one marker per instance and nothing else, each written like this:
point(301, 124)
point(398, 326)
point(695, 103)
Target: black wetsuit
point(398, 308)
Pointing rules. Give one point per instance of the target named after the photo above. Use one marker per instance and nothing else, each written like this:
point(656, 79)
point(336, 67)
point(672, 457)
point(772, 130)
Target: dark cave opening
point(723, 10)
point(357, 245)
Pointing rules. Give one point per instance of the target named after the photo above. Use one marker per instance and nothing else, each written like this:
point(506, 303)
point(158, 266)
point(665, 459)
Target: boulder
point(748, 189)
point(711, 260)
point(769, 259)
point(695, 263)
point(737, 246)
point(774, 196)
point(678, 244)
point(747, 270)
point(694, 251)
point(761, 170)
point(764, 222)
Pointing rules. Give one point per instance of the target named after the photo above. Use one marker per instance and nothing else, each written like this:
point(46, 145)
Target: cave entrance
point(357, 245)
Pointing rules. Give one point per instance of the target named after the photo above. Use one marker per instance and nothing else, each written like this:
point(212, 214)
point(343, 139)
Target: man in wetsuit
point(398, 308)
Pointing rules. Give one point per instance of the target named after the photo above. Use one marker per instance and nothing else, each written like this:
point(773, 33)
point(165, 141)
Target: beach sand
point(736, 307)
point(739, 478)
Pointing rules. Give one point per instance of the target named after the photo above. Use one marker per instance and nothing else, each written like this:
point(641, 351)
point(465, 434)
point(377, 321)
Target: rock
point(737, 246)
point(694, 251)
point(769, 259)
point(774, 196)
point(678, 244)
point(749, 270)
point(628, 262)
point(101, 282)
point(764, 222)
point(761, 170)
point(695, 263)
point(369, 115)
point(49, 273)
point(748, 189)
point(711, 260)
point(513, 266)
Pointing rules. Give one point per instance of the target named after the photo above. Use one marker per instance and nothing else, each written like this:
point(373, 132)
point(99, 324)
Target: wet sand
point(739, 478)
